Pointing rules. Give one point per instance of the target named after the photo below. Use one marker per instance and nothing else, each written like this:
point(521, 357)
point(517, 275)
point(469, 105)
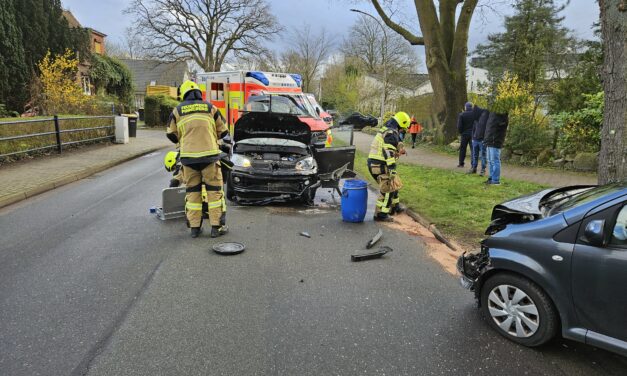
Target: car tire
point(519, 310)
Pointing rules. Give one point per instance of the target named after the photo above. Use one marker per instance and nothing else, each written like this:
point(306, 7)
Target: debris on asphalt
point(374, 239)
point(370, 255)
point(302, 280)
point(305, 234)
point(153, 209)
point(229, 248)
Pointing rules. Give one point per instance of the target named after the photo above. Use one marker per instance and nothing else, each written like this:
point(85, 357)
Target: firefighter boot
point(196, 232)
point(218, 231)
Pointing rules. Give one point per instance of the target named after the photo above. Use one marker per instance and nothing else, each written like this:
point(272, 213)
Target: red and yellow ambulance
point(230, 92)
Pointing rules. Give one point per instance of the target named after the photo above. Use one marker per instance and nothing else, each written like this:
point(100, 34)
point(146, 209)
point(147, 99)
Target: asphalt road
point(91, 283)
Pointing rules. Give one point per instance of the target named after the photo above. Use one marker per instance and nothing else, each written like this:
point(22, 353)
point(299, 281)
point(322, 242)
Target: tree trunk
point(613, 155)
point(449, 96)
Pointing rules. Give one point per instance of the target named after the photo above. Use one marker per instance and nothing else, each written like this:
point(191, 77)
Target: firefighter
point(170, 161)
point(385, 150)
point(197, 126)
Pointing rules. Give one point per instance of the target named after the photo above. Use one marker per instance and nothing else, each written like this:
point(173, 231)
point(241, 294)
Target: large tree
point(613, 156)
point(445, 38)
point(307, 53)
point(206, 31)
point(13, 68)
point(533, 44)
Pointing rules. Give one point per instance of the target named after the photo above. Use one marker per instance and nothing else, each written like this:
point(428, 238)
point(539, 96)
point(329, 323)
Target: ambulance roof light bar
point(298, 78)
point(259, 76)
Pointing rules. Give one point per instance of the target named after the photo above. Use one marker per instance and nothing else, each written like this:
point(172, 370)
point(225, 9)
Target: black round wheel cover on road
point(230, 248)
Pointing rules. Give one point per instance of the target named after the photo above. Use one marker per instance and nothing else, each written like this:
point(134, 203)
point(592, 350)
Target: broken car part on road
point(370, 255)
point(374, 239)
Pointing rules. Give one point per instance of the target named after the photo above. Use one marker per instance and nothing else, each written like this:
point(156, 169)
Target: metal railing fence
point(34, 135)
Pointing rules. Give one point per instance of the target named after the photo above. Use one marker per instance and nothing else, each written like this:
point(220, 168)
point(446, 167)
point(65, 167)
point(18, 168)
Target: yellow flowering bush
point(528, 130)
point(61, 90)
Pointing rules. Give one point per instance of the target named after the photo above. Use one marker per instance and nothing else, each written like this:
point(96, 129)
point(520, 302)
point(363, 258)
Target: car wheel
point(519, 309)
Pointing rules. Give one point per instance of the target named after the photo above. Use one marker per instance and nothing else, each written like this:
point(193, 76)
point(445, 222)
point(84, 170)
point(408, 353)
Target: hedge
point(157, 110)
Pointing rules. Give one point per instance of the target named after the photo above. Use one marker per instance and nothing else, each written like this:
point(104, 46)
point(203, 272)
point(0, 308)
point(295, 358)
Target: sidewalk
point(424, 157)
point(21, 180)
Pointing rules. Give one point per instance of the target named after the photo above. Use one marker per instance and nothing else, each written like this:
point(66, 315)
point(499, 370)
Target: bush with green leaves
point(580, 131)
point(157, 110)
point(111, 77)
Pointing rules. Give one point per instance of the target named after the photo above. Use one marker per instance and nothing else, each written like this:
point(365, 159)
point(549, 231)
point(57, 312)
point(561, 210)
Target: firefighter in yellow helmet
point(197, 126)
point(170, 161)
point(385, 150)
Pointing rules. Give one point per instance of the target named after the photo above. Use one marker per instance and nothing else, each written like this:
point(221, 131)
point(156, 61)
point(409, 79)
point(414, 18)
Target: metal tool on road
point(370, 255)
point(374, 239)
point(229, 248)
point(172, 203)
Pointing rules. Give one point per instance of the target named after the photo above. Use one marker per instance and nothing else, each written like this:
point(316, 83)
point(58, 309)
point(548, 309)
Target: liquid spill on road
point(446, 257)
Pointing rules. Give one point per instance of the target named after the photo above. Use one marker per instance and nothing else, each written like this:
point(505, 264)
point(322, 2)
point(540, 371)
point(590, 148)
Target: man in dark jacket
point(495, 131)
point(477, 148)
point(464, 127)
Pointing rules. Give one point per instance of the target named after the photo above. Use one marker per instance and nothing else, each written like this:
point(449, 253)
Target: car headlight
point(305, 164)
point(240, 161)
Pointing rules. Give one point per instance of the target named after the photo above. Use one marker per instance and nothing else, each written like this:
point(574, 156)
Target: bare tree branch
point(411, 38)
point(206, 31)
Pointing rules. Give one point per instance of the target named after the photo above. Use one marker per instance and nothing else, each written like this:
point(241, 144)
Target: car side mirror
point(318, 110)
point(594, 233)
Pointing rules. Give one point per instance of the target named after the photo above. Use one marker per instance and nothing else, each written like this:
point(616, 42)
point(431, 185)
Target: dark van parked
point(555, 260)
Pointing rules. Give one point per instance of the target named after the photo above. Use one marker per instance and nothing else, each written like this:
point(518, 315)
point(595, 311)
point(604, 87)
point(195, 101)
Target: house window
point(97, 46)
point(86, 82)
point(217, 91)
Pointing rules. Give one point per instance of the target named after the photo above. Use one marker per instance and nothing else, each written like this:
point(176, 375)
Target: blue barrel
point(354, 200)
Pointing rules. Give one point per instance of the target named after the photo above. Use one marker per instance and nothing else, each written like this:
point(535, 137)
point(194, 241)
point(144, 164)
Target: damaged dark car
point(555, 261)
point(274, 160)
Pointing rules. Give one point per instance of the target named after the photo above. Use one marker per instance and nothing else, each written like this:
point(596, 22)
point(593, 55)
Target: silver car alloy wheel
point(513, 311)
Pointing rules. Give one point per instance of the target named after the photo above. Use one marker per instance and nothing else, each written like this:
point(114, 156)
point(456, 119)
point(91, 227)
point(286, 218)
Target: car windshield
point(580, 196)
point(294, 104)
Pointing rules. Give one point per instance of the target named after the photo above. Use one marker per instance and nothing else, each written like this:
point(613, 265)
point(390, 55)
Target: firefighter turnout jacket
point(386, 146)
point(197, 125)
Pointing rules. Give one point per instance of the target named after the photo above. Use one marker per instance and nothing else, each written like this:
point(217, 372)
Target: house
point(476, 78)
point(399, 87)
point(97, 46)
point(153, 72)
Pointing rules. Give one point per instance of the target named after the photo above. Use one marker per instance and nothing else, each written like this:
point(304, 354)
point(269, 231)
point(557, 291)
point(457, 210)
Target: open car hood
point(529, 204)
point(271, 125)
point(526, 208)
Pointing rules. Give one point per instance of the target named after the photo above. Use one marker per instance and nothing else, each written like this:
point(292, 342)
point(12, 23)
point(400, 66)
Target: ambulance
point(231, 91)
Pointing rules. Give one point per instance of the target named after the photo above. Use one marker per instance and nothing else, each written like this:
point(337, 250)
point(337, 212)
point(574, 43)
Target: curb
point(67, 179)
point(425, 223)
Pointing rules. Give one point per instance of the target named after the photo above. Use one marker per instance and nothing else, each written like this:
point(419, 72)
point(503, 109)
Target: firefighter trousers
point(209, 175)
point(388, 200)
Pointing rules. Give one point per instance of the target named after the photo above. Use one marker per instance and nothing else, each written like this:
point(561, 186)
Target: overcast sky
point(108, 16)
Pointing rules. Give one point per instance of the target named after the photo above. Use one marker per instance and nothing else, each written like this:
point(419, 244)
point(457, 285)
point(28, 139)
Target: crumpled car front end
point(471, 266)
point(273, 160)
